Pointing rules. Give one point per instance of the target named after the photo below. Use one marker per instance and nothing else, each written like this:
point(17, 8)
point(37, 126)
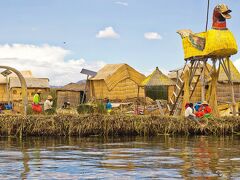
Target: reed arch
point(23, 86)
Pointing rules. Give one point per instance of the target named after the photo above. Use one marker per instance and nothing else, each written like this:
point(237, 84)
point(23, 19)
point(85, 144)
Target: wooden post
point(145, 102)
point(84, 93)
point(203, 92)
point(7, 88)
point(226, 67)
point(137, 98)
point(232, 88)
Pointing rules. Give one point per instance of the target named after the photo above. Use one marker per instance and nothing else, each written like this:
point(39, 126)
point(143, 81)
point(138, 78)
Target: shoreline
point(113, 125)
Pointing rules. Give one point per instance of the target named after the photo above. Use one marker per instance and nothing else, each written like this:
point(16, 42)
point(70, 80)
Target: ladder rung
point(180, 80)
point(178, 87)
point(169, 109)
point(174, 94)
point(171, 100)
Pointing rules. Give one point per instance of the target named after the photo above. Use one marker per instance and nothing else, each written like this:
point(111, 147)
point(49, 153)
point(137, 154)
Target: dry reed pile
point(113, 125)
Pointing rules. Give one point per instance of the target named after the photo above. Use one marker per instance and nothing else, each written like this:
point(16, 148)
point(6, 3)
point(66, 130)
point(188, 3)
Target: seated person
point(197, 106)
point(189, 112)
point(48, 105)
point(204, 110)
point(66, 105)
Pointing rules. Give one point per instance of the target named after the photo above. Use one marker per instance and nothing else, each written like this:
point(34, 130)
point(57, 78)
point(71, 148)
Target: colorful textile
point(203, 110)
point(197, 42)
point(36, 99)
point(37, 108)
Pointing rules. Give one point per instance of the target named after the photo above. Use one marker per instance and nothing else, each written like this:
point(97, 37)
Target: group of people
point(199, 110)
point(37, 103)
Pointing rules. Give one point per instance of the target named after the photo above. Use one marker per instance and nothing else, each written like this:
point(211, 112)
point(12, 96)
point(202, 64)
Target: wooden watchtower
point(216, 45)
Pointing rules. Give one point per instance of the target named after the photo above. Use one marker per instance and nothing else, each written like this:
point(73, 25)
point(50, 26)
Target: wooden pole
point(232, 88)
point(85, 89)
point(206, 27)
point(7, 88)
point(137, 98)
point(145, 102)
point(203, 92)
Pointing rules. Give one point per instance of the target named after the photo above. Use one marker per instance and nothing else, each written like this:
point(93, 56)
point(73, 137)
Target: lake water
point(161, 157)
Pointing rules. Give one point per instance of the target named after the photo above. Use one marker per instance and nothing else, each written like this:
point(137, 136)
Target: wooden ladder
point(175, 102)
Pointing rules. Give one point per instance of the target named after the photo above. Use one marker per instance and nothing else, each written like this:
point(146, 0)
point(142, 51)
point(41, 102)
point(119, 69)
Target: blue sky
point(77, 22)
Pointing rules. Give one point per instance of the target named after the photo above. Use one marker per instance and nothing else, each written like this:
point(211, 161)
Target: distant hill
point(81, 82)
point(56, 86)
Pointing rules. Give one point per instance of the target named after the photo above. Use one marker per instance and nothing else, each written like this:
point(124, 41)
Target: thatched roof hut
point(72, 93)
point(235, 75)
point(116, 81)
point(40, 83)
point(33, 84)
point(157, 85)
point(4, 88)
point(223, 89)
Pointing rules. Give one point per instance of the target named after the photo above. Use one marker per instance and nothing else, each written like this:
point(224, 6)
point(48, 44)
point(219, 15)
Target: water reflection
point(136, 157)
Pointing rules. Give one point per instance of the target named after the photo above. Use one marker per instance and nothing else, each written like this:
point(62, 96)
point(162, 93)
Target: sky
point(57, 38)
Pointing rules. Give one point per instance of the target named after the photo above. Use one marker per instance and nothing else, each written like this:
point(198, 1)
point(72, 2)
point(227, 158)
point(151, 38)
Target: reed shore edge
point(113, 125)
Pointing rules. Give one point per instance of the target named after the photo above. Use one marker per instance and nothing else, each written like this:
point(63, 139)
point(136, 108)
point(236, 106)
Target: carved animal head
point(220, 14)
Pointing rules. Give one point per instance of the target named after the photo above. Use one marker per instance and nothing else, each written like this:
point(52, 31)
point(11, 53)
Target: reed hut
point(4, 85)
point(158, 86)
point(33, 84)
point(72, 93)
point(117, 82)
point(223, 87)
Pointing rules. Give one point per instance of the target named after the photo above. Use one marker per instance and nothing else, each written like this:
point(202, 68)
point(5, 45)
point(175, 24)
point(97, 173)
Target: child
point(108, 106)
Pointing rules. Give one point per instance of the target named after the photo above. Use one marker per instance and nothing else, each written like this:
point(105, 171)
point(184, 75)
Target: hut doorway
point(157, 92)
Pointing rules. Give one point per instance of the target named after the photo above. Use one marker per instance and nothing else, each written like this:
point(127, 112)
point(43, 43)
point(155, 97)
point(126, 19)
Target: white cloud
point(121, 3)
point(46, 61)
point(108, 32)
point(152, 36)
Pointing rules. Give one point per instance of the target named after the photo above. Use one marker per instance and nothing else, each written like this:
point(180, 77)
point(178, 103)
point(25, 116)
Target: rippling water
point(161, 157)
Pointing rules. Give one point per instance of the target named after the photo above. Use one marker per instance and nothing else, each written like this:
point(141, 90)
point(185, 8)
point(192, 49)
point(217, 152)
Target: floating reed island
point(113, 125)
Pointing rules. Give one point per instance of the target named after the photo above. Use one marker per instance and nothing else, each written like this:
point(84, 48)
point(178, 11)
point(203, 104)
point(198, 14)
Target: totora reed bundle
point(114, 125)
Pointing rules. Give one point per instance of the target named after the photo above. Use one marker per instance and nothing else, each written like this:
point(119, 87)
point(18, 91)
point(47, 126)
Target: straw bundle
point(213, 93)
point(219, 43)
point(186, 91)
point(114, 125)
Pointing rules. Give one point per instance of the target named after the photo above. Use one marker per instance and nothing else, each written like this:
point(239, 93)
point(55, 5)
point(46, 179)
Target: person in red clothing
point(204, 111)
